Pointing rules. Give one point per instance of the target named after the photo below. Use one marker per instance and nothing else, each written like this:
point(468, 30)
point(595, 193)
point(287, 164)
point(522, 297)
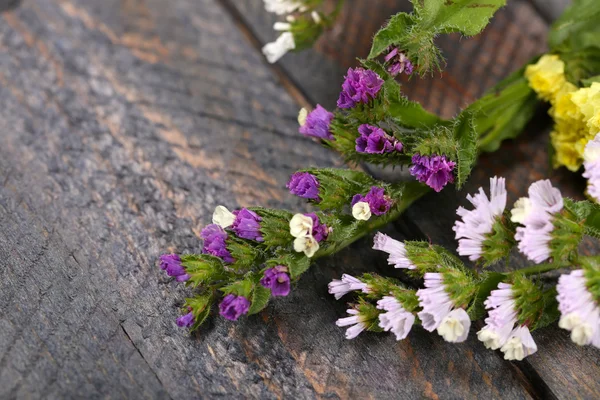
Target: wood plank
point(123, 124)
point(560, 369)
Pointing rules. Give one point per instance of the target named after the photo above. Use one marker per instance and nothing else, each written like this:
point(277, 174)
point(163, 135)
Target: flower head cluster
point(537, 214)
point(247, 225)
point(579, 310)
point(396, 249)
point(305, 185)
point(356, 321)
point(439, 311)
point(215, 242)
point(316, 123)
point(500, 332)
point(374, 202)
point(591, 163)
point(398, 62)
point(171, 263)
point(374, 140)
point(396, 319)
point(309, 232)
point(478, 224)
point(347, 284)
point(547, 76)
point(435, 171)
point(360, 86)
point(278, 280)
point(232, 307)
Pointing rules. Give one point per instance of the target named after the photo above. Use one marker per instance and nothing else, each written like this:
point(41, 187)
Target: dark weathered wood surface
point(123, 124)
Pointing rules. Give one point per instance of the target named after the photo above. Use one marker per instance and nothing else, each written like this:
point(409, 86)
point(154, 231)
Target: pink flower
point(355, 321)
point(501, 317)
point(396, 249)
point(396, 319)
point(476, 224)
point(591, 163)
point(347, 284)
point(580, 314)
point(519, 345)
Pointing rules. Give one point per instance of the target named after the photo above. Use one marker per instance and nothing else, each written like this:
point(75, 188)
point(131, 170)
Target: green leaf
point(260, 298)
point(587, 212)
point(468, 17)
point(201, 306)
point(581, 64)
point(394, 32)
point(239, 288)
point(275, 227)
point(488, 282)
point(297, 263)
point(588, 82)
point(202, 268)
point(577, 27)
point(465, 135)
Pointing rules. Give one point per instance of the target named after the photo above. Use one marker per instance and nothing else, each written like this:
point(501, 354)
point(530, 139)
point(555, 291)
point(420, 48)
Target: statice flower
point(223, 217)
point(378, 203)
point(396, 249)
point(477, 224)
point(273, 51)
point(355, 321)
point(361, 211)
point(308, 231)
point(232, 307)
point(374, 140)
point(316, 123)
point(281, 7)
point(277, 280)
point(591, 163)
point(215, 242)
point(398, 62)
point(519, 345)
point(579, 311)
point(347, 284)
point(537, 213)
point(396, 319)
point(171, 263)
point(187, 320)
point(435, 171)
point(439, 313)
point(501, 319)
point(247, 225)
point(360, 86)
point(305, 185)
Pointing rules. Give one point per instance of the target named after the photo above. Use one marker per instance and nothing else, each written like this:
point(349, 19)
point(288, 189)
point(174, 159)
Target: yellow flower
point(547, 76)
point(587, 100)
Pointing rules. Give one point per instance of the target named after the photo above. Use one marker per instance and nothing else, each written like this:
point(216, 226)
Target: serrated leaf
point(259, 299)
point(275, 227)
point(587, 212)
point(393, 32)
point(465, 135)
point(239, 288)
point(581, 64)
point(577, 27)
point(468, 17)
point(297, 264)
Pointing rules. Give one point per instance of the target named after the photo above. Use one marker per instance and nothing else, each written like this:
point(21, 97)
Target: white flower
point(223, 217)
point(521, 210)
point(281, 7)
point(519, 345)
point(347, 284)
point(476, 224)
point(455, 326)
point(306, 244)
point(277, 49)
point(361, 211)
point(282, 26)
point(579, 312)
point(501, 317)
point(396, 249)
point(301, 225)
point(316, 17)
point(396, 319)
point(591, 163)
point(302, 115)
point(357, 322)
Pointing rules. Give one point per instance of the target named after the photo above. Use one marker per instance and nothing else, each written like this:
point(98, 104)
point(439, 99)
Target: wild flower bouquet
point(252, 254)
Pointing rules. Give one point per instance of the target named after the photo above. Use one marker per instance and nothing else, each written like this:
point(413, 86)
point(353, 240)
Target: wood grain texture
point(123, 124)
point(560, 369)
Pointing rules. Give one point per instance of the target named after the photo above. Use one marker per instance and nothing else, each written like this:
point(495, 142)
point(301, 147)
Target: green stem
point(541, 268)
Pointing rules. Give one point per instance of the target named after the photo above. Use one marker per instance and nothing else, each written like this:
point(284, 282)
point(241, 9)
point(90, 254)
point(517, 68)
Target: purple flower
point(246, 225)
point(435, 171)
point(320, 231)
point(277, 280)
point(171, 263)
point(379, 203)
point(214, 242)
point(398, 62)
point(186, 320)
point(396, 319)
point(356, 321)
point(359, 86)
point(501, 319)
point(232, 307)
point(317, 124)
point(374, 140)
point(305, 185)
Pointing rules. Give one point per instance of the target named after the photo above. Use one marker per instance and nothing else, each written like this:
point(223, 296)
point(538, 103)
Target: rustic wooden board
point(123, 124)
point(560, 369)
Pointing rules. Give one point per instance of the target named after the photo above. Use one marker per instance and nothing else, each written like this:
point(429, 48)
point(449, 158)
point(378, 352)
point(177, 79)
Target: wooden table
point(123, 123)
